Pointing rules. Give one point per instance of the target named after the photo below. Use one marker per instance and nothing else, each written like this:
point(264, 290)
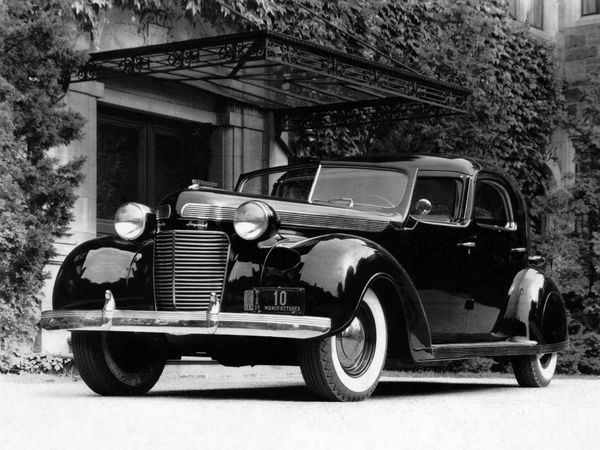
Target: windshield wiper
point(344, 200)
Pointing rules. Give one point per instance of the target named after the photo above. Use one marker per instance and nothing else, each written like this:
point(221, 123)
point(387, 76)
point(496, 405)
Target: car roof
point(413, 162)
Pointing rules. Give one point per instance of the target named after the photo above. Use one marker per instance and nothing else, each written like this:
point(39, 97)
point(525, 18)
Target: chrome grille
point(188, 267)
point(163, 212)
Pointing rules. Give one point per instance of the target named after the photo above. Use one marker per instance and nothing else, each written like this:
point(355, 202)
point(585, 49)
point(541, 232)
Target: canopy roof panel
point(305, 84)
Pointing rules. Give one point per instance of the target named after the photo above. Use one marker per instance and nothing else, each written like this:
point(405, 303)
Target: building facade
point(574, 27)
point(144, 138)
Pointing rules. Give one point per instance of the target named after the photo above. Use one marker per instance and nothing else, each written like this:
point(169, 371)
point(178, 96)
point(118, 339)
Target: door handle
point(518, 250)
point(467, 244)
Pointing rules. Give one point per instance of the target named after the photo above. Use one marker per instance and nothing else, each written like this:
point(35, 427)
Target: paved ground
point(210, 407)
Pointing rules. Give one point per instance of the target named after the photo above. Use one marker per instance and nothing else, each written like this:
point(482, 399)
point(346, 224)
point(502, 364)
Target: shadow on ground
point(300, 393)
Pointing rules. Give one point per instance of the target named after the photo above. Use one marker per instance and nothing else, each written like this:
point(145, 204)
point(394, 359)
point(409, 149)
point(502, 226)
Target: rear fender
point(334, 270)
point(108, 262)
point(535, 310)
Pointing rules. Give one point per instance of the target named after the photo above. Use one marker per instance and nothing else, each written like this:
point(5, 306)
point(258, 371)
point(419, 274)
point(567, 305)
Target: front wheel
point(119, 363)
point(535, 370)
point(347, 366)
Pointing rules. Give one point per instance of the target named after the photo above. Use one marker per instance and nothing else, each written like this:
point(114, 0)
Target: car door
point(498, 251)
point(431, 254)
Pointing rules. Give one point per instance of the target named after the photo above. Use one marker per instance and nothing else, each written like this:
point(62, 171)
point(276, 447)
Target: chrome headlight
point(130, 220)
point(254, 220)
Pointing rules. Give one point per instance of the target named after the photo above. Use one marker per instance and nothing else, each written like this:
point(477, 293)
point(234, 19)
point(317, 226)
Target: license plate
point(274, 300)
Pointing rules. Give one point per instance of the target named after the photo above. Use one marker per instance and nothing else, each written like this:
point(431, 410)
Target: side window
point(492, 205)
point(444, 195)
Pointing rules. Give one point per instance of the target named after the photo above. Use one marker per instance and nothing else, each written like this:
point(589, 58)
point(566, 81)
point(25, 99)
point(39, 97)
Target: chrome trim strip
point(208, 212)
point(314, 183)
point(293, 215)
point(189, 323)
point(163, 212)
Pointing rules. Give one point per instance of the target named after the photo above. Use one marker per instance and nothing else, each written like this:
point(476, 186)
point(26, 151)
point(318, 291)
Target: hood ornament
point(198, 184)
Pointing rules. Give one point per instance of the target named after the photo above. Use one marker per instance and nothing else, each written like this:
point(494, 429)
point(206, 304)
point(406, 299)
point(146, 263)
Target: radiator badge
point(196, 225)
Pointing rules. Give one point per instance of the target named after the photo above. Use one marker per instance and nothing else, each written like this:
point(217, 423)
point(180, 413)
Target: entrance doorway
point(143, 158)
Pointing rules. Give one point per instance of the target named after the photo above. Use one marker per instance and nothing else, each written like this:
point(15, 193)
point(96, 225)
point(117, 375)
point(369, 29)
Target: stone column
point(237, 145)
point(82, 99)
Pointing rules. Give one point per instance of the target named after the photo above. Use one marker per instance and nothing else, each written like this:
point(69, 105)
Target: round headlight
point(130, 220)
point(252, 220)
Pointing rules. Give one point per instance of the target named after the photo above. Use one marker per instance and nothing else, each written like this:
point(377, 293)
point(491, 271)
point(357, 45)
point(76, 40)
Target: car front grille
point(188, 267)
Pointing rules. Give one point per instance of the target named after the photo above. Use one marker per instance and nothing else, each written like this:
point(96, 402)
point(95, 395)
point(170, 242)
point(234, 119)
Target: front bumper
point(211, 322)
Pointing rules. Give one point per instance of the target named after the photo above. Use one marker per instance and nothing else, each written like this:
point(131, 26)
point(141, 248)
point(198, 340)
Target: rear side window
point(443, 193)
point(492, 205)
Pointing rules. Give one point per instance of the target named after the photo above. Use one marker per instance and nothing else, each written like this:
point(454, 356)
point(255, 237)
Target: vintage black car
point(340, 267)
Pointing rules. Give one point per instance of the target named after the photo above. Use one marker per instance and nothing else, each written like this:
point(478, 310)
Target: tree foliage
point(36, 194)
point(572, 237)
point(516, 101)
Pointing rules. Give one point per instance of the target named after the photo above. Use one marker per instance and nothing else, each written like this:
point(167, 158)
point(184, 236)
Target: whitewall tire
point(535, 370)
point(347, 366)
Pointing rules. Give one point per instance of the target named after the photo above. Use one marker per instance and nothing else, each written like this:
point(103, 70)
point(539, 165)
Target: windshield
point(357, 187)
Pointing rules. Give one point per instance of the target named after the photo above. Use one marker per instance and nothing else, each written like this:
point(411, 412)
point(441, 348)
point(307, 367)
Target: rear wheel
point(119, 363)
point(347, 366)
point(535, 370)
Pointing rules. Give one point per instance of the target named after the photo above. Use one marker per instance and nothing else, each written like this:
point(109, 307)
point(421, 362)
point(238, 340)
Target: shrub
point(583, 355)
point(36, 193)
point(49, 364)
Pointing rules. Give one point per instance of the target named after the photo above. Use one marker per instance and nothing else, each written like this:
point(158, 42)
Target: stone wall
point(580, 52)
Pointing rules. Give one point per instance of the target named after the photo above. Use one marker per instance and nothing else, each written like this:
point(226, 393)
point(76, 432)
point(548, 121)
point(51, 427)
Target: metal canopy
point(306, 85)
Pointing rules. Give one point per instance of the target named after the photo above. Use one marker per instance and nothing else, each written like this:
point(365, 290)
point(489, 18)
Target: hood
point(218, 205)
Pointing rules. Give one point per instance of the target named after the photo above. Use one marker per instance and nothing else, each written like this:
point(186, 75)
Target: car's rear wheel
point(535, 370)
point(119, 363)
point(347, 366)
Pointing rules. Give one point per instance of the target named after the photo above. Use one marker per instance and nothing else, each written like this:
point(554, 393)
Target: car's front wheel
point(535, 370)
point(347, 366)
point(119, 363)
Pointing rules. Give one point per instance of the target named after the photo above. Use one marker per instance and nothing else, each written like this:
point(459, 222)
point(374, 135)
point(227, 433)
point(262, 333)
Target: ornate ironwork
point(89, 71)
point(333, 67)
point(372, 77)
point(277, 72)
point(183, 59)
point(356, 116)
point(134, 64)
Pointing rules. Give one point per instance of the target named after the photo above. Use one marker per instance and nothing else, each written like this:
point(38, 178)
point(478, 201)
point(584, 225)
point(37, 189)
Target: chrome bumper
point(211, 322)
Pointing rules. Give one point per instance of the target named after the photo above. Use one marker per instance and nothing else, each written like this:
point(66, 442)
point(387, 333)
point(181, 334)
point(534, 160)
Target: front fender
point(104, 263)
point(334, 270)
point(535, 310)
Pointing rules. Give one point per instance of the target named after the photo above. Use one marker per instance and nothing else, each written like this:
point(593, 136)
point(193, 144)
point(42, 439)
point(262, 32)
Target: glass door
point(142, 158)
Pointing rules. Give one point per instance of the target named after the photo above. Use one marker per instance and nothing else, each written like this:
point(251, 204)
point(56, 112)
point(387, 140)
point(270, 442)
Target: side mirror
point(423, 207)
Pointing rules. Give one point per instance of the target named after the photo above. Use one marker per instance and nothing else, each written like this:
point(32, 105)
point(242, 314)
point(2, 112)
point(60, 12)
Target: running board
point(443, 352)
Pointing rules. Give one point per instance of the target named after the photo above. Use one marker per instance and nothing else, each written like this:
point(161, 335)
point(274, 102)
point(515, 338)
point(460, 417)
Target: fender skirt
point(535, 310)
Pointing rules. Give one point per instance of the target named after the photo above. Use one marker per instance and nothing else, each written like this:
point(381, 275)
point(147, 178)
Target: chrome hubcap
point(351, 343)
point(355, 345)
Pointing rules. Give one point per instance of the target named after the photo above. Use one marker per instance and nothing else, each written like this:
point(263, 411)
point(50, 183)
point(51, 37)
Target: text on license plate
point(274, 300)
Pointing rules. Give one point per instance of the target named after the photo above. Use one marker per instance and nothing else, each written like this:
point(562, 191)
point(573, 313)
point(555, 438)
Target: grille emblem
point(196, 225)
